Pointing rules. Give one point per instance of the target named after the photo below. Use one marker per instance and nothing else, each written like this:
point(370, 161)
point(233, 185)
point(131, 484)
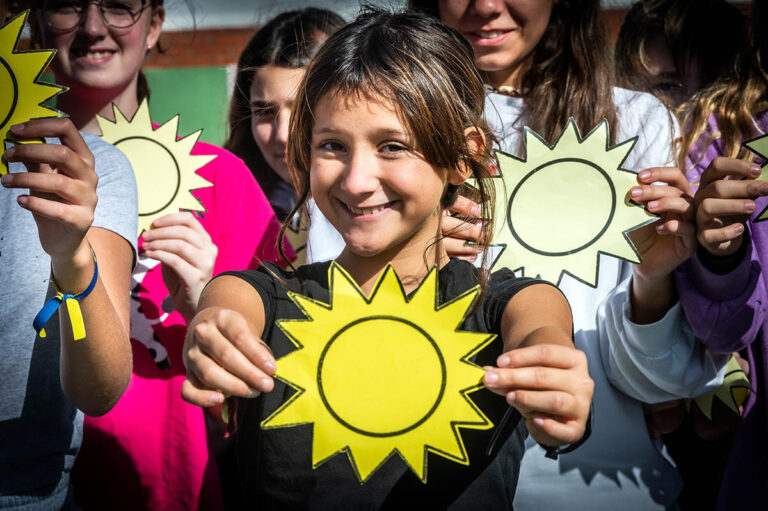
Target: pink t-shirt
point(150, 451)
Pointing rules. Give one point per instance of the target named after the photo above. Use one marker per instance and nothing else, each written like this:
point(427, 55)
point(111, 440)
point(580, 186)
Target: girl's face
point(272, 95)
point(95, 55)
point(369, 179)
point(502, 32)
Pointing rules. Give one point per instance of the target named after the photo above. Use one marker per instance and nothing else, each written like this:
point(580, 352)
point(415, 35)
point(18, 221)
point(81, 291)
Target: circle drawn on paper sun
point(564, 205)
point(23, 94)
point(383, 374)
point(164, 168)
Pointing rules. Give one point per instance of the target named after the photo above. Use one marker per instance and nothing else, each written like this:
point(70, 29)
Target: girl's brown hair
point(569, 73)
point(733, 100)
point(686, 26)
point(288, 40)
point(425, 69)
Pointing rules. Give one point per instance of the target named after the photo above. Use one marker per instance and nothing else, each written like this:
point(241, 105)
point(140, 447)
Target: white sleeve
point(657, 362)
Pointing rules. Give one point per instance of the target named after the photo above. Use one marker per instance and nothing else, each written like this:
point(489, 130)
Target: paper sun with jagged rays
point(383, 374)
point(732, 393)
point(164, 168)
point(23, 94)
point(759, 146)
point(562, 206)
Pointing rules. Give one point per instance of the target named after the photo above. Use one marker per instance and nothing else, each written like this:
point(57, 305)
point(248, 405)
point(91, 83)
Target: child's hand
point(187, 255)
point(62, 189)
point(670, 241)
point(550, 386)
point(457, 231)
point(223, 358)
point(724, 201)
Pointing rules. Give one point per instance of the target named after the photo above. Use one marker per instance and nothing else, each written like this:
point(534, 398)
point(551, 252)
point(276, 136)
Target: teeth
point(366, 211)
point(490, 35)
point(96, 55)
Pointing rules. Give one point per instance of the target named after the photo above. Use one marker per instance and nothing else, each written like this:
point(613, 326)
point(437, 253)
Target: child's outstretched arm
point(62, 183)
point(223, 352)
point(540, 372)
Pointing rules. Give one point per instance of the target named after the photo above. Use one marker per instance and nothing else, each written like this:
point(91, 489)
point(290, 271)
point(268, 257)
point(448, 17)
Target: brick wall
point(209, 47)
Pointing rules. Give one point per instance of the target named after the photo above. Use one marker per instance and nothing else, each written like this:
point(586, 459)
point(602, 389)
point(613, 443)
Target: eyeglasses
point(68, 14)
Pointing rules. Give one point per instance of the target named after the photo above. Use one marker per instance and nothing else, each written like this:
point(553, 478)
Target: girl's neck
point(411, 261)
point(511, 77)
point(84, 104)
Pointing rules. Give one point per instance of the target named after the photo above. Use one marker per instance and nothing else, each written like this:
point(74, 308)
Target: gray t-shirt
point(40, 430)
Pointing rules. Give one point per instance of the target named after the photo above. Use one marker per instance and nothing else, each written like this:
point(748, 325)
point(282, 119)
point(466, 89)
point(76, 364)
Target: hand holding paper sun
point(22, 91)
point(562, 206)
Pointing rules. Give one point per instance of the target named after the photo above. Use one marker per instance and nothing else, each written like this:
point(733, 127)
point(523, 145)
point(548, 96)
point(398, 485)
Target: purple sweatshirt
point(728, 313)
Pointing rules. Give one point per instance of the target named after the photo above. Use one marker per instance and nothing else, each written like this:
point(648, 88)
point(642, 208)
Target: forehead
point(276, 83)
point(368, 107)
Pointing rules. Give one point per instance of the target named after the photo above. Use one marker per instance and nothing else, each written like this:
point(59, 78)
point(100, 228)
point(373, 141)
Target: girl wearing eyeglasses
point(151, 450)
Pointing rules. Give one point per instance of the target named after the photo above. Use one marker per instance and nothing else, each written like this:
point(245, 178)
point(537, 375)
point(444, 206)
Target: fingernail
point(644, 174)
point(476, 211)
point(6, 179)
point(660, 229)
point(491, 377)
point(216, 399)
point(755, 170)
point(22, 199)
point(266, 383)
point(738, 228)
point(511, 397)
point(763, 188)
point(269, 366)
point(9, 152)
point(653, 204)
point(636, 192)
point(18, 128)
point(538, 420)
point(749, 206)
point(253, 393)
point(503, 360)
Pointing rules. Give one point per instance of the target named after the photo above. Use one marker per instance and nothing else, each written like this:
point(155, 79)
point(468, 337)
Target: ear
point(155, 26)
point(476, 143)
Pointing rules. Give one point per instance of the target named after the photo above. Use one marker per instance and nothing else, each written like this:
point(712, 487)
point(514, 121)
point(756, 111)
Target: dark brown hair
point(425, 69)
point(569, 74)
point(288, 40)
point(687, 27)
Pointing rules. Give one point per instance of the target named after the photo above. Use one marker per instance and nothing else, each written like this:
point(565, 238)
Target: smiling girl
point(151, 451)
point(382, 135)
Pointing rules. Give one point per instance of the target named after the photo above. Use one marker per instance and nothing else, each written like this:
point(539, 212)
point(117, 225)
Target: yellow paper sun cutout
point(23, 94)
point(759, 146)
point(732, 393)
point(382, 375)
point(164, 168)
point(561, 206)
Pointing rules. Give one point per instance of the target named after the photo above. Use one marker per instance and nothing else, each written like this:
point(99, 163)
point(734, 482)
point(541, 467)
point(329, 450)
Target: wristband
point(73, 307)
point(553, 452)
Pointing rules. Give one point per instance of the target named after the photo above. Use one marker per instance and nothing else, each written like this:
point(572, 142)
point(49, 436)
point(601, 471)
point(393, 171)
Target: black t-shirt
point(275, 465)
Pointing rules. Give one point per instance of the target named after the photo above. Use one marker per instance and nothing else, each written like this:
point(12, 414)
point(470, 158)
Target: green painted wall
point(199, 94)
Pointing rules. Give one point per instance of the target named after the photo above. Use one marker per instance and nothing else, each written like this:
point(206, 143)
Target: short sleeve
point(117, 209)
point(502, 287)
